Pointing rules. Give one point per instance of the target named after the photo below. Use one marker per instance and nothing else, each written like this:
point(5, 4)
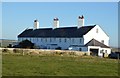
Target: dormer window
point(97, 30)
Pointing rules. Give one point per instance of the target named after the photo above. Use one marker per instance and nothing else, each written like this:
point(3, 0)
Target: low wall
point(43, 52)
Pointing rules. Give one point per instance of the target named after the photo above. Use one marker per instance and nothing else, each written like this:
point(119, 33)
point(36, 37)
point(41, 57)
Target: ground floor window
point(105, 51)
point(80, 49)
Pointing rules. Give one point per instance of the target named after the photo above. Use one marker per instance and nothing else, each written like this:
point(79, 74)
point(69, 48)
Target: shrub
point(85, 54)
point(72, 53)
point(58, 48)
point(26, 44)
point(5, 50)
point(9, 46)
point(17, 50)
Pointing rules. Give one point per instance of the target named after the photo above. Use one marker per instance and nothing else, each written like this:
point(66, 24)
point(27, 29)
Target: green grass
point(18, 65)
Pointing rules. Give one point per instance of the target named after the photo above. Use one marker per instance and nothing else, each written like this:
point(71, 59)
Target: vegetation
point(32, 65)
point(6, 42)
point(26, 44)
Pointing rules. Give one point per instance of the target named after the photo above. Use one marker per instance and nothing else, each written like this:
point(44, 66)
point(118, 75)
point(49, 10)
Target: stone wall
point(43, 52)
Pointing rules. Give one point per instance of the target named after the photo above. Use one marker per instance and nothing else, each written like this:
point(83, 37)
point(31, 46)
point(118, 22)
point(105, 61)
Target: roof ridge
point(58, 32)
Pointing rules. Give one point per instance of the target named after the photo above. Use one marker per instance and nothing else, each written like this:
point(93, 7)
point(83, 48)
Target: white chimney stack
point(36, 24)
point(80, 21)
point(55, 23)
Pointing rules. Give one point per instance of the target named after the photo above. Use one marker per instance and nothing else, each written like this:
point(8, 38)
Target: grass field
point(18, 65)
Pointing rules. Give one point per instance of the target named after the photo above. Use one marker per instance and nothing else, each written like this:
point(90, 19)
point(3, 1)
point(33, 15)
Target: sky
point(17, 16)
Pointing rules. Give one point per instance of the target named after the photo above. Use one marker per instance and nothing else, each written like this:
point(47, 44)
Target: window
point(101, 51)
point(102, 41)
point(65, 40)
point(97, 30)
point(41, 39)
point(21, 39)
point(30, 39)
point(45, 39)
point(80, 49)
point(105, 51)
point(60, 40)
point(80, 40)
point(37, 39)
point(54, 39)
point(72, 40)
point(33, 39)
point(50, 40)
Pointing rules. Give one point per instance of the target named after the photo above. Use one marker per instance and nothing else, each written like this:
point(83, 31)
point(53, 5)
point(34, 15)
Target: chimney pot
point(36, 24)
point(55, 23)
point(80, 21)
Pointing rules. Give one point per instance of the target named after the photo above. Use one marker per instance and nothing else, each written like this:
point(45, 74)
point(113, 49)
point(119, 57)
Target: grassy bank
point(18, 65)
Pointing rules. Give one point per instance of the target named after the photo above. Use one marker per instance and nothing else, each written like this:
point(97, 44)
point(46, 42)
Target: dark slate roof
point(58, 32)
point(94, 42)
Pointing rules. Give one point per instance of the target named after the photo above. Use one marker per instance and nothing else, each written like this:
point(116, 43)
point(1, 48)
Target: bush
point(85, 54)
point(5, 50)
point(58, 48)
point(17, 50)
point(72, 53)
point(26, 44)
point(9, 46)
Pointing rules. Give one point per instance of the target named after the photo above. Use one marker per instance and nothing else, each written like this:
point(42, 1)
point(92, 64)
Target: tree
point(9, 46)
point(26, 44)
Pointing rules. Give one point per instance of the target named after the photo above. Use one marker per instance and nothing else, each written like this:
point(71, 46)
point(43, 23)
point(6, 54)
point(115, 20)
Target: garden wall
point(43, 52)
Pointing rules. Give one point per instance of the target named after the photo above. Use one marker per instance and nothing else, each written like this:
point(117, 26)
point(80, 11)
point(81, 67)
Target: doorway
point(94, 52)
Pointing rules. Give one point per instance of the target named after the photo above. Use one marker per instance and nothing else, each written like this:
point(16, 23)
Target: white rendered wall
point(108, 50)
point(99, 50)
point(78, 48)
point(95, 47)
point(69, 42)
point(101, 35)
point(47, 41)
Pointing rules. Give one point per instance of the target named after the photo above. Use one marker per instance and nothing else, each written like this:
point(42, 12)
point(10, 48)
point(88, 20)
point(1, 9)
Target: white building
point(84, 38)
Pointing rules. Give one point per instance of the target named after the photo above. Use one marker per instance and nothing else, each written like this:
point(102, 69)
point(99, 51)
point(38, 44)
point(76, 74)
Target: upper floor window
point(80, 49)
point(73, 40)
point(80, 40)
point(45, 39)
point(101, 51)
point(105, 51)
point(50, 40)
point(60, 40)
point(102, 41)
point(54, 39)
point(41, 39)
point(65, 40)
point(37, 39)
point(30, 39)
point(97, 30)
